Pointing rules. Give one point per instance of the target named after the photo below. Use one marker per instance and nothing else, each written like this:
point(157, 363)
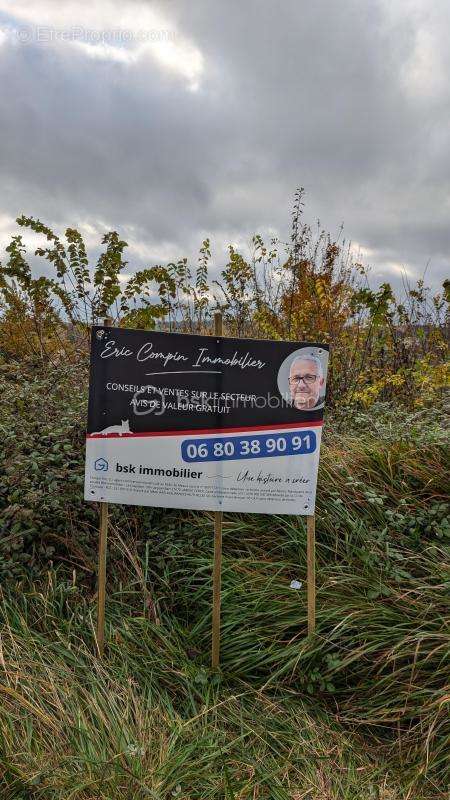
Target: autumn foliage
point(310, 288)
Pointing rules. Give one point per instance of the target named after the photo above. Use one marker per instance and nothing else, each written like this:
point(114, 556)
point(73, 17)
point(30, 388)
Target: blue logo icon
point(101, 465)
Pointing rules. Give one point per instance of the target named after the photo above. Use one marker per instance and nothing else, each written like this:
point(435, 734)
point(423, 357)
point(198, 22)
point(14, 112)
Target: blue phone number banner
point(234, 448)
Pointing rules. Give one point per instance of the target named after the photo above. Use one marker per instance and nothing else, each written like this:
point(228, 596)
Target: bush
point(311, 288)
point(41, 467)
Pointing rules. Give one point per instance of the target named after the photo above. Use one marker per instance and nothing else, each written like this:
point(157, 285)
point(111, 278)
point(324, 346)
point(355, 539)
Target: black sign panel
point(144, 381)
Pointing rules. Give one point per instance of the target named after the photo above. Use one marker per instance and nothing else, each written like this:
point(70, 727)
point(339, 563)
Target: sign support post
point(102, 549)
point(217, 569)
point(311, 571)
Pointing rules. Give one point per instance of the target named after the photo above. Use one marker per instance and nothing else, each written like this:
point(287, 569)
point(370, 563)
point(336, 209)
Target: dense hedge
point(43, 516)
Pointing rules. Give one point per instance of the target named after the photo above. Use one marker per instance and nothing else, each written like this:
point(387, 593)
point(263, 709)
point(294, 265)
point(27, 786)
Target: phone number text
point(232, 448)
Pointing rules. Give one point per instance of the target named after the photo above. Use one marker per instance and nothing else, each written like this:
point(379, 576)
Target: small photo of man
point(306, 382)
point(302, 377)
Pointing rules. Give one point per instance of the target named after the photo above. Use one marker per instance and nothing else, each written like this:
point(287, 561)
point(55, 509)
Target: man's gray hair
point(315, 360)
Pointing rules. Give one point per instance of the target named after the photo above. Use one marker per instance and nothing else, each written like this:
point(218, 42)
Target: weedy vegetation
point(359, 711)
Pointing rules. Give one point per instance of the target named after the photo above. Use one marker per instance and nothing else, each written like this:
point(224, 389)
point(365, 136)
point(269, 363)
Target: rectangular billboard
point(204, 422)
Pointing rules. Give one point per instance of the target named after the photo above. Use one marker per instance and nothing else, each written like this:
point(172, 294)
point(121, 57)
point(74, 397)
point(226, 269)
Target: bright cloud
point(122, 32)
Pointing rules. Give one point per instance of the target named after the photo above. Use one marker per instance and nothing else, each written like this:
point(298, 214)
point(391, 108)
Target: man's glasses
point(308, 379)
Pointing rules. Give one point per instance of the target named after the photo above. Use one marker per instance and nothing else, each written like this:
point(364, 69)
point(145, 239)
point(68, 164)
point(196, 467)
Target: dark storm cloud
point(345, 99)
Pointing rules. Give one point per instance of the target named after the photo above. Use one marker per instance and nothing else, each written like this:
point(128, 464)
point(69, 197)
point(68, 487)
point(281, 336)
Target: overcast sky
point(171, 121)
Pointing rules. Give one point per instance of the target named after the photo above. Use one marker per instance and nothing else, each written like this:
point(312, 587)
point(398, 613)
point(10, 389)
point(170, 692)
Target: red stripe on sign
point(284, 426)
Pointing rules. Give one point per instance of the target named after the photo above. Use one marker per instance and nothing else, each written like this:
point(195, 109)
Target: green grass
point(152, 721)
point(358, 711)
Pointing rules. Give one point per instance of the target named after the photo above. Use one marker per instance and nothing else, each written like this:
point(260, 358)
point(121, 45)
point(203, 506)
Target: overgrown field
point(360, 710)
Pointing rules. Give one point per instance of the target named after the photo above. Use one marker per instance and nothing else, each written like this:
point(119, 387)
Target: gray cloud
point(349, 100)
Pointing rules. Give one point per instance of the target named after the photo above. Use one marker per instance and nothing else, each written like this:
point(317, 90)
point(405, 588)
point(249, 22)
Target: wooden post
point(101, 591)
point(217, 575)
point(101, 577)
point(311, 571)
point(217, 569)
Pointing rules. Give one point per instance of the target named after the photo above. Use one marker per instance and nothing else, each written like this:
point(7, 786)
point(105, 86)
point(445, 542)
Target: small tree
point(53, 313)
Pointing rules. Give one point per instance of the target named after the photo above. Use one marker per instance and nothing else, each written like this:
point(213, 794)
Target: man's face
point(305, 383)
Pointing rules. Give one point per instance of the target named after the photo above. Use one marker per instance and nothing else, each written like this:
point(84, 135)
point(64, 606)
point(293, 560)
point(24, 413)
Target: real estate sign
point(204, 422)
